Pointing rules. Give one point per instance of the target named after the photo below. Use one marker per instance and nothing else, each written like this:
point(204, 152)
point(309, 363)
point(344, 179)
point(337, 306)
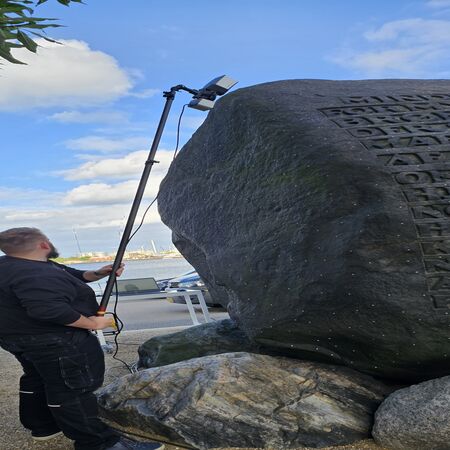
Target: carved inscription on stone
point(436, 248)
point(410, 137)
point(441, 301)
point(414, 159)
point(396, 98)
point(436, 211)
point(427, 194)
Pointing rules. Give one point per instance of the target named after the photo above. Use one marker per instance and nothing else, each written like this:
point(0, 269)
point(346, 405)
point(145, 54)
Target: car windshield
point(189, 275)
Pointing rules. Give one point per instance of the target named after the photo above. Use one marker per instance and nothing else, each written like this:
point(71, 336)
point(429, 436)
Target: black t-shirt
point(41, 297)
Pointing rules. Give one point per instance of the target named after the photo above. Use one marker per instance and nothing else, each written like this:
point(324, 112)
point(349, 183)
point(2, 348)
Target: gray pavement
point(154, 313)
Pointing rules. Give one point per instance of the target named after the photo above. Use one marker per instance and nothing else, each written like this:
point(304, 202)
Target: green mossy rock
point(211, 338)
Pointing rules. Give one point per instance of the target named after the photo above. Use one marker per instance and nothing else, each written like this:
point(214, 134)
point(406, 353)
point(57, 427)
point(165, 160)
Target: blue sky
point(78, 120)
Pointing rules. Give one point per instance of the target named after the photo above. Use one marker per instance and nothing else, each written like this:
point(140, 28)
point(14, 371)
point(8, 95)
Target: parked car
point(189, 280)
point(164, 283)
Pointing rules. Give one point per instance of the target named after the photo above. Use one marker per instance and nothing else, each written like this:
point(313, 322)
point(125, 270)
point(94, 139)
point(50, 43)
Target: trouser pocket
point(75, 371)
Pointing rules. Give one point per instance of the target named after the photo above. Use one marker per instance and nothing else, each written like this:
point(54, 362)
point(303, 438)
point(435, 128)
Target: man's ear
point(44, 245)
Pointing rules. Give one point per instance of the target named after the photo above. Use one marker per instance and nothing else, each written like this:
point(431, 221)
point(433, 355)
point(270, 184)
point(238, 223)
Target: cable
point(178, 130)
point(173, 159)
point(142, 221)
point(119, 323)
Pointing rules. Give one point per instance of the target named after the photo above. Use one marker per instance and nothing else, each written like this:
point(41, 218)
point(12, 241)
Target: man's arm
point(95, 275)
point(49, 299)
point(92, 323)
point(90, 275)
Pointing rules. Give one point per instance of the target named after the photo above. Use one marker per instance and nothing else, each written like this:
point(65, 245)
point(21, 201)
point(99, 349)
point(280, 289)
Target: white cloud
point(438, 3)
point(130, 165)
point(411, 31)
point(108, 117)
point(69, 216)
point(407, 48)
point(113, 219)
point(109, 194)
point(18, 197)
point(71, 74)
point(27, 215)
point(399, 61)
point(102, 144)
point(101, 193)
point(104, 222)
point(98, 225)
point(193, 122)
point(145, 93)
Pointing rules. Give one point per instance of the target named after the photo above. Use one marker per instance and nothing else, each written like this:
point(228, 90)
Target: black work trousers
point(61, 372)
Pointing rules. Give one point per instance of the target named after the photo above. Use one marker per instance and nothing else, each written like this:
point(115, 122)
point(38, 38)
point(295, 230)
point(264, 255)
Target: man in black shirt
point(46, 312)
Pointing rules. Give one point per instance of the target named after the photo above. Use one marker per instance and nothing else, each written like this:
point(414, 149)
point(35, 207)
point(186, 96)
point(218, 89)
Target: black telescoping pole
point(170, 96)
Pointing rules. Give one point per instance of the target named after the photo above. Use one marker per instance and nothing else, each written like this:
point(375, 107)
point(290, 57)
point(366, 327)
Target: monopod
point(203, 99)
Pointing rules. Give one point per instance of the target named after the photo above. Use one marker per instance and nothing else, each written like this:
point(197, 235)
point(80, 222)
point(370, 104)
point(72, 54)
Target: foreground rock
point(416, 418)
point(318, 212)
point(211, 338)
point(245, 400)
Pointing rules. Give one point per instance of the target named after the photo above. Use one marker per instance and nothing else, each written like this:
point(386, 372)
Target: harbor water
point(145, 268)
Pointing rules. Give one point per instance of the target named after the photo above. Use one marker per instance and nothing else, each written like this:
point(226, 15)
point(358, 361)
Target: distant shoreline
point(110, 259)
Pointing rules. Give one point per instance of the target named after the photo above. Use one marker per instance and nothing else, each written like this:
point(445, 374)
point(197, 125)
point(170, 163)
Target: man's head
point(28, 243)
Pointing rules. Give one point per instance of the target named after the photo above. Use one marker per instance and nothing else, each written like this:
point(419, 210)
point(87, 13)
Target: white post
point(202, 302)
point(191, 309)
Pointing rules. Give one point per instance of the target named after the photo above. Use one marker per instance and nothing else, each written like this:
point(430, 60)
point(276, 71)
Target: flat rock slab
point(416, 418)
point(222, 336)
point(245, 400)
point(318, 212)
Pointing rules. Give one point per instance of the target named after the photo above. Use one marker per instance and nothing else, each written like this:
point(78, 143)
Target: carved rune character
point(406, 141)
point(438, 283)
point(431, 212)
point(361, 99)
point(367, 132)
point(441, 301)
point(437, 265)
point(434, 229)
point(414, 177)
point(426, 194)
point(352, 121)
point(435, 156)
point(436, 247)
point(402, 159)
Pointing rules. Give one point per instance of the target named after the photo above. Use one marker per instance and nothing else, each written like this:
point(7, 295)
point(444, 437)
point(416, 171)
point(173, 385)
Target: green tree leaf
point(17, 25)
point(6, 54)
point(26, 41)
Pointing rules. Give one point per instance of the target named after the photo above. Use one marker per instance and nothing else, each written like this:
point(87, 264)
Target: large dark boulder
point(318, 212)
point(245, 400)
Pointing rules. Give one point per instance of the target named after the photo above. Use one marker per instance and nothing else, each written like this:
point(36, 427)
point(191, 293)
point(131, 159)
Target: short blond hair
point(19, 240)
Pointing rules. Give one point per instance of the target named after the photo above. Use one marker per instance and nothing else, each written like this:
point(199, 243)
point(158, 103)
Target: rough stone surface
point(416, 418)
point(211, 338)
point(245, 400)
point(317, 211)
point(14, 437)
